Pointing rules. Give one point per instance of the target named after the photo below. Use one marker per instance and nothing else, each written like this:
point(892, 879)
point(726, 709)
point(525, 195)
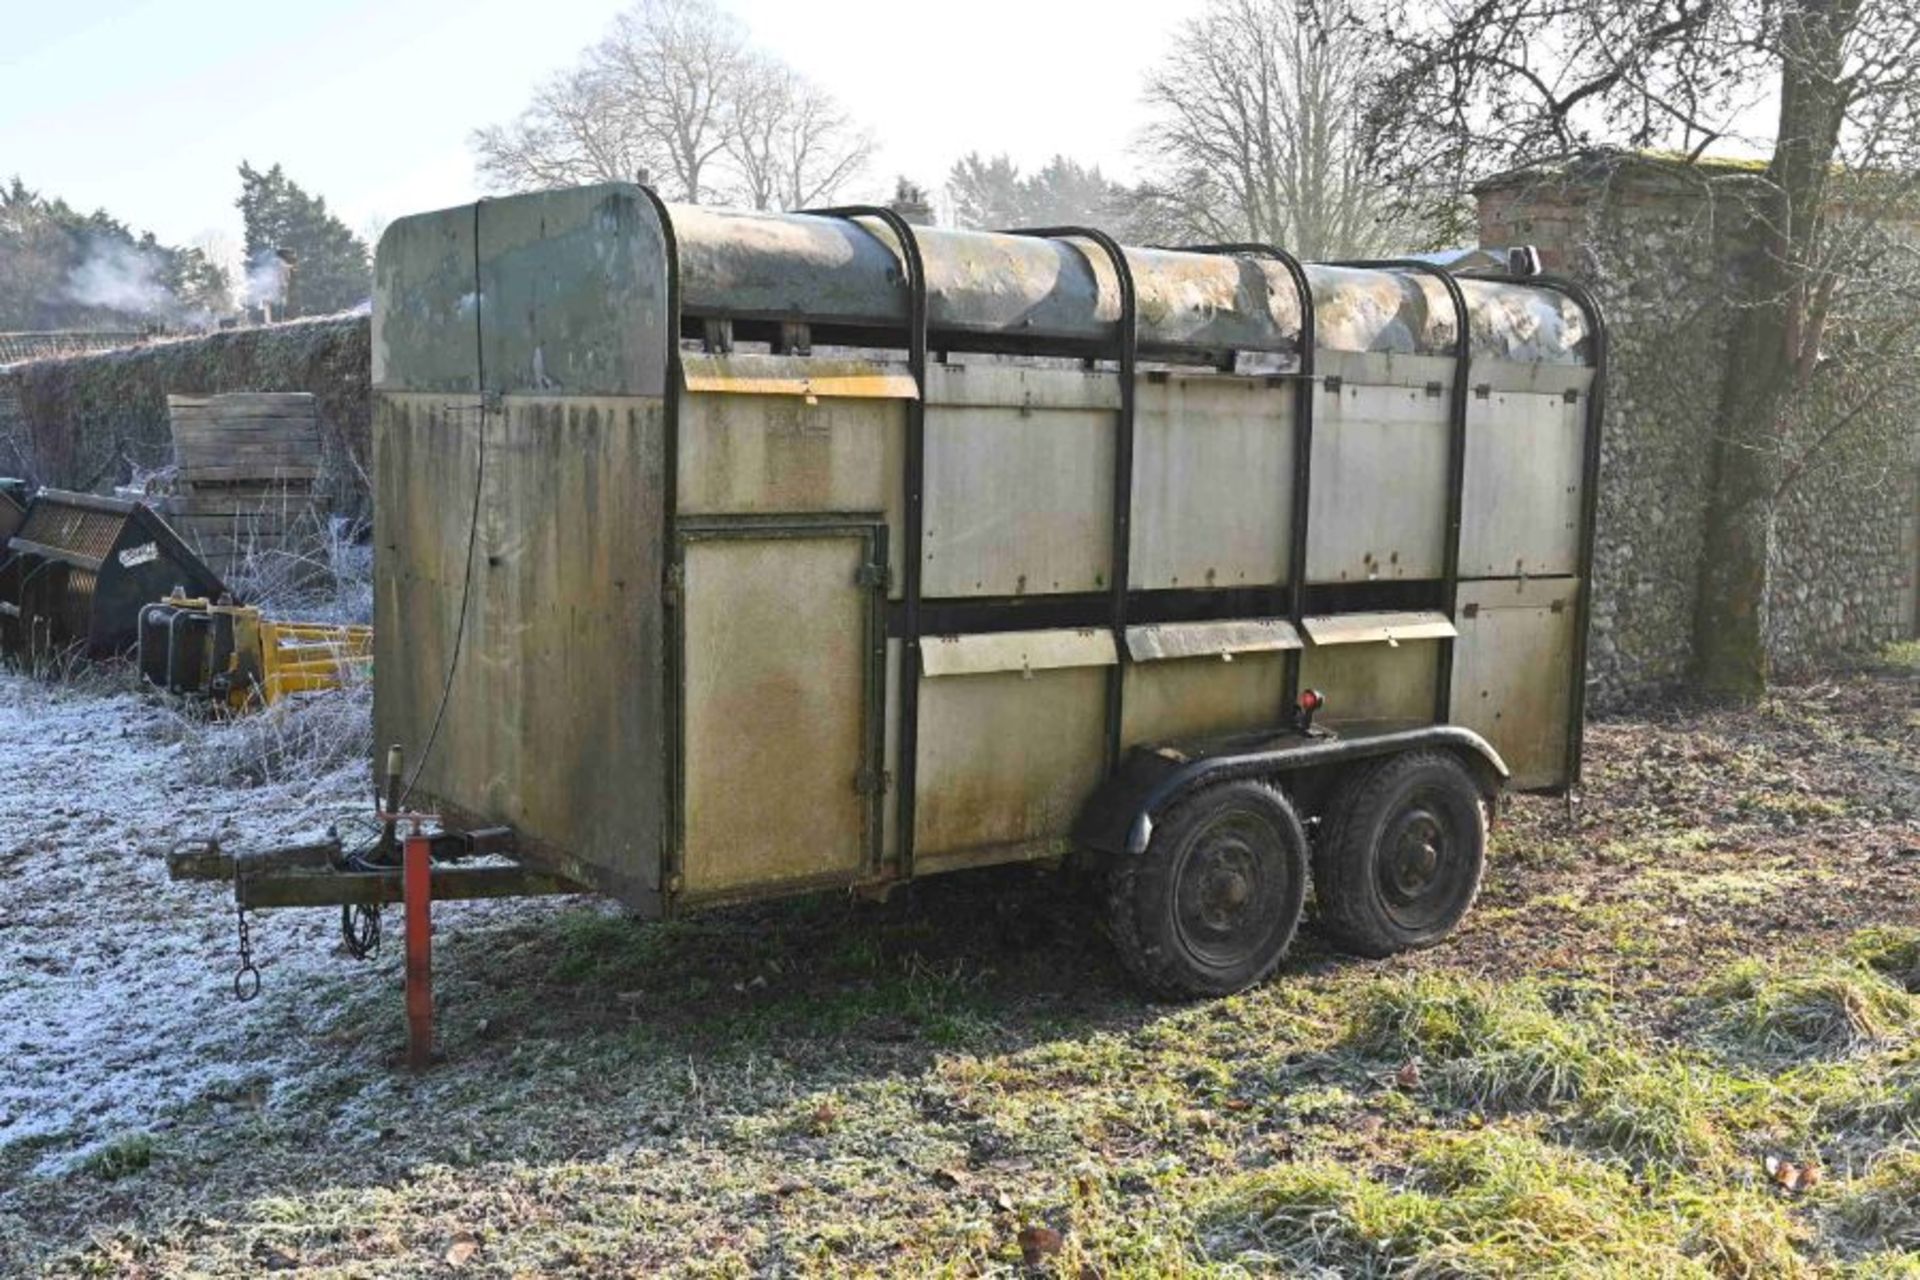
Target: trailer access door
point(782, 659)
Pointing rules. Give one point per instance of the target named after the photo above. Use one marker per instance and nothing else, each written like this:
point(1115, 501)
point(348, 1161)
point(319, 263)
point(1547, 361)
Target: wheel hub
point(1225, 888)
point(1228, 894)
point(1415, 852)
point(1418, 853)
point(1224, 895)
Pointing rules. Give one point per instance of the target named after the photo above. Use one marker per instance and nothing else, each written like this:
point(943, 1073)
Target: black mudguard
point(1120, 815)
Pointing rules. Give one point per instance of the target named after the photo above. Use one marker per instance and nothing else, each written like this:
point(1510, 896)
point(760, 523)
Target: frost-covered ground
point(1702, 979)
point(118, 1007)
point(118, 1020)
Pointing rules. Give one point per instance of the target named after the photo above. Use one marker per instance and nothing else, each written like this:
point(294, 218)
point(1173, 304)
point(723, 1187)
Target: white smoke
point(129, 280)
point(116, 276)
point(266, 283)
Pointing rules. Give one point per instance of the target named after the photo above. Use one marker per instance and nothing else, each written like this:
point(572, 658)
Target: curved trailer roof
point(1031, 290)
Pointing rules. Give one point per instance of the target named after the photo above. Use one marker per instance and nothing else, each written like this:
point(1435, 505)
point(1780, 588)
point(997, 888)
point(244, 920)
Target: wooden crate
point(247, 466)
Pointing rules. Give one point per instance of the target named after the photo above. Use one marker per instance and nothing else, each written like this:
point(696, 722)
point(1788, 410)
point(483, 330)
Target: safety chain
point(246, 981)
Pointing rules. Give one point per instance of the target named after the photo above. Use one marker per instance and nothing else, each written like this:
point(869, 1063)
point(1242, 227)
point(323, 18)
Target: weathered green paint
point(519, 349)
point(553, 721)
point(563, 294)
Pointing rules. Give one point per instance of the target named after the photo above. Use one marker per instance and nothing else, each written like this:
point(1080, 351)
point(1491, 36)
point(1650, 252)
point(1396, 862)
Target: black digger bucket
point(77, 571)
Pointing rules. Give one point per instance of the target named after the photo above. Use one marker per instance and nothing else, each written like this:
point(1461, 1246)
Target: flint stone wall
point(1662, 251)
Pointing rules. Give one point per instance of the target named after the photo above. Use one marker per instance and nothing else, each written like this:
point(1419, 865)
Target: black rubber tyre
point(1400, 854)
point(1213, 904)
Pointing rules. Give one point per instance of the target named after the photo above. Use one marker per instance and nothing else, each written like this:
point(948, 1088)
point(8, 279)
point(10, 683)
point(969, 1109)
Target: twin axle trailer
point(728, 555)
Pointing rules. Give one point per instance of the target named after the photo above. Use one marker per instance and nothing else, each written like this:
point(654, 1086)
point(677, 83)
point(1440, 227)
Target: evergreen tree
point(62, 269)
point(332, 267)
point(993, 193)
point(987, 193)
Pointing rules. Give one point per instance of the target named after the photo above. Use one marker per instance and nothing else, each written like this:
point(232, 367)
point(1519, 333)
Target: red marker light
point(1311, 700)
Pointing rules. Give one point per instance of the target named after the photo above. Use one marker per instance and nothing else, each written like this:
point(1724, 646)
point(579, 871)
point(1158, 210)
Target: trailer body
point(725, 555)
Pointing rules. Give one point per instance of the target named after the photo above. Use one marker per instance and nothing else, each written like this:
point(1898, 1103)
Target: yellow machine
point(233, 655)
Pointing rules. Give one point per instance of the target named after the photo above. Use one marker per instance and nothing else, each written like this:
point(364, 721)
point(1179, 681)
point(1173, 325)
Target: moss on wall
point(80, 422)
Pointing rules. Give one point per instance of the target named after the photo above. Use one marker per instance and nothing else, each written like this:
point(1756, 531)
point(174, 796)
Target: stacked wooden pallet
point(247, 467)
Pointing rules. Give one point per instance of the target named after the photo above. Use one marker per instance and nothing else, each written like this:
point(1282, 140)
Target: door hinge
point(676, 580)
point(871, 782)
point(873, 575)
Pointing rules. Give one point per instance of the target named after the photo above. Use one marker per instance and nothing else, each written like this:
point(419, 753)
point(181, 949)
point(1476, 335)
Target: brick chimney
point(910, 202)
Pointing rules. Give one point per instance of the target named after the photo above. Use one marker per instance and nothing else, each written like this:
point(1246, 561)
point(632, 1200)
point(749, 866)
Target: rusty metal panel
point(1019, 498)
point(890, 754)
point(1520, 507)
point(1512, 678)
point(1159, 641)
point(1006, 760)
point(1017, 651)
point(553, 722)
point(1179, 698)
point(1374, 686)
point(777, 687)
point(1378, 508)
point(1377, 628)
point(770, 454)
point(806, 376)
point(1212, 481)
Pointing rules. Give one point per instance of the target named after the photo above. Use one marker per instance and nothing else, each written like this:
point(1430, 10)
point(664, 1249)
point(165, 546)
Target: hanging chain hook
point(246, 980)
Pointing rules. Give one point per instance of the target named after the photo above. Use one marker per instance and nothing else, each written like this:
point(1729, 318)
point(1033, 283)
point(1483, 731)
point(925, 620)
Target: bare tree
point(576, 130)
point(1827, 91)
point(678, 68)
point(676, 89)
point(791, 143)
point(1257, 129)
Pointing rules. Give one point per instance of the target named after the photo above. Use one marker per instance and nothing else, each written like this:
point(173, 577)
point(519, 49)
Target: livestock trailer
point(726, 555)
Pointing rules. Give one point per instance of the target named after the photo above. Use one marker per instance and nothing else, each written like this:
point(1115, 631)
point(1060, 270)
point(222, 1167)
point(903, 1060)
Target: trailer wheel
point(1401, 856)
point(1213, 903)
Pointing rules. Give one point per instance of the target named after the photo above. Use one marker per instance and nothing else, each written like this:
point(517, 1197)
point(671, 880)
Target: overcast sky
point(146, 107)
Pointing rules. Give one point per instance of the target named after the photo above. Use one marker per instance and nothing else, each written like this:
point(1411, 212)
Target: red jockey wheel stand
point(416, 886)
